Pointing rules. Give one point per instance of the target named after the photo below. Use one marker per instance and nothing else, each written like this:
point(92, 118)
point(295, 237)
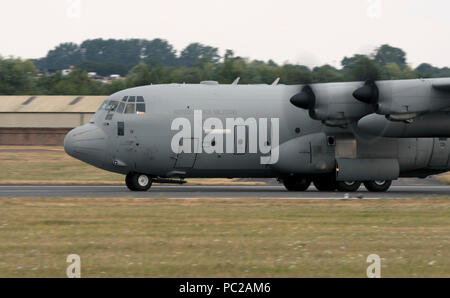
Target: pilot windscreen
point(120, 108)
point(130, 109)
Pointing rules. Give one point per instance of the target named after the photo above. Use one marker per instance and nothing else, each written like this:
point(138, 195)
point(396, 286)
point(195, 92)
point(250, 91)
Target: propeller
point(368, 93)
point(306, 99)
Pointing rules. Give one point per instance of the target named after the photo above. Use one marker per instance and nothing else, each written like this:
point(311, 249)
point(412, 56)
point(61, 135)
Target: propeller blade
point(305, 99)
point(368, 93)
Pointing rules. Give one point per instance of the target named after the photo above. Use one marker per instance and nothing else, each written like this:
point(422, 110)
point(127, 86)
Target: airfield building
point(43, 120)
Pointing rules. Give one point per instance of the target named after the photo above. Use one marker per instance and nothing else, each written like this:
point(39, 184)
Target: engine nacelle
point(333, 104)
point(435, 125)
point(406, 99)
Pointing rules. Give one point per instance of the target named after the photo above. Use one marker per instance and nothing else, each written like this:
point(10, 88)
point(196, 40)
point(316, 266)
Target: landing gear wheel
point(325, 182)
point(138, 182)
point(348, 186)
point(378, 185)
point(129, 182)
point(296, 183)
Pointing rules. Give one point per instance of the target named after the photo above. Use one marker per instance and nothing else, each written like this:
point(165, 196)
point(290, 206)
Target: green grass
point(56, 167)
point(224, 238)
point(50, 167)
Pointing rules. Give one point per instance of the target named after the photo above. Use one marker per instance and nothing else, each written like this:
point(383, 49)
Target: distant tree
point(62, 57)
point(104, 69)
point(125, 52)
point(196, 51)
point(160, 51)
point(350, 62)
point(229, 54)
point(77, 83)
point(295, 74)
point(155, 61)
point(326, 73)
point(363, 69)
point(115, 86)
point(387, 54)
point(139, 76)
point(426, 70)
point(272, 63)
point(17, 76)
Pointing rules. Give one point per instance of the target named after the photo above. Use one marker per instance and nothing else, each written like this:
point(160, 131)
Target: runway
point(228, 192)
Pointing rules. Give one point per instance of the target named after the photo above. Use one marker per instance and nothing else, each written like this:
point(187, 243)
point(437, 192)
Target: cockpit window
point(102, 106)
point(140, 108)
point(128, 105)
point(120, 108)
point(111, 106)
point(130, 108)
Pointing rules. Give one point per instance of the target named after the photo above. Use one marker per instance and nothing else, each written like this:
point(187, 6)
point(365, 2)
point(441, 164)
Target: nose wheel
point(138, 182)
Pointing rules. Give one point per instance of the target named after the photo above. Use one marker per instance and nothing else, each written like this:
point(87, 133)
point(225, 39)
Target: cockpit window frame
point(112, 106)
point(133, 111)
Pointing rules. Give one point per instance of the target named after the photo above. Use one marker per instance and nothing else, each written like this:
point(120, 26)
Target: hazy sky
point(310, 32)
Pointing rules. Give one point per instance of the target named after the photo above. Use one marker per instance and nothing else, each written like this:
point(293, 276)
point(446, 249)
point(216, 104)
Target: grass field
point(51, 165)
point(224, 238)
point(445, 178)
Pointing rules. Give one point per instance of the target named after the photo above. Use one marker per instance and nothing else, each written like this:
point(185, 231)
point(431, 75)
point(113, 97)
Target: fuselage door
point(186, 160)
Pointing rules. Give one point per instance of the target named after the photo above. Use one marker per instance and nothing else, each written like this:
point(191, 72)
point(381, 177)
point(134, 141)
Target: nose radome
point(68, 143)
point(87, 143)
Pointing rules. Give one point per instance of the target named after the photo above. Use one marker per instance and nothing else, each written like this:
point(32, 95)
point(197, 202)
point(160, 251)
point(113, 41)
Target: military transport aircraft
point(335, 135)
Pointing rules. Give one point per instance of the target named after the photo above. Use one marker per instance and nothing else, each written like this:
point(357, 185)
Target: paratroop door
point(187, 160)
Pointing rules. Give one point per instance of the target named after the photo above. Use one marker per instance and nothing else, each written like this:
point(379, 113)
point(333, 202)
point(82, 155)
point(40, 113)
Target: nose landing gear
point(138, 182)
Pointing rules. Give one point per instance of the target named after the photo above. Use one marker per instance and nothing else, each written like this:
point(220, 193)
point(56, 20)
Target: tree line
point(143, 62)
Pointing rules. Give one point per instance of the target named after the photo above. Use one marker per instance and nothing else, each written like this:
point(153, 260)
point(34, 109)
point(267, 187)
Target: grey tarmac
point(219, 192)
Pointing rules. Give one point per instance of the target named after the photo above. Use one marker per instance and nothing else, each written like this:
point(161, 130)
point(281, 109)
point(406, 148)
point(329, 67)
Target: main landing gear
point(138, 182)
point(378, 185)
point(296, 183)
point(328, 182)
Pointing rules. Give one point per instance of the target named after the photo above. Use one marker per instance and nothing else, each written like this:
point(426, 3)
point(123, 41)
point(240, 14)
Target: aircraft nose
point(87, 143)
point(68, 143)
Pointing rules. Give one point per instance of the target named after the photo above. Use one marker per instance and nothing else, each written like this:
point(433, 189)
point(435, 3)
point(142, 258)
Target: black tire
point(378, 186)
point(296, 183)
point(325, 182)
point(348, 186)
point(138, 182)
point(129, 182)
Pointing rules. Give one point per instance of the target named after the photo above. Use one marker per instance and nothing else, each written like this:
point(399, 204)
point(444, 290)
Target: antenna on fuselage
point(235, 82)
point(276, 82)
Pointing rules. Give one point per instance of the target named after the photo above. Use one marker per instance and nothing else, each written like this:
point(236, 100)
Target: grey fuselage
point(141, 143)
